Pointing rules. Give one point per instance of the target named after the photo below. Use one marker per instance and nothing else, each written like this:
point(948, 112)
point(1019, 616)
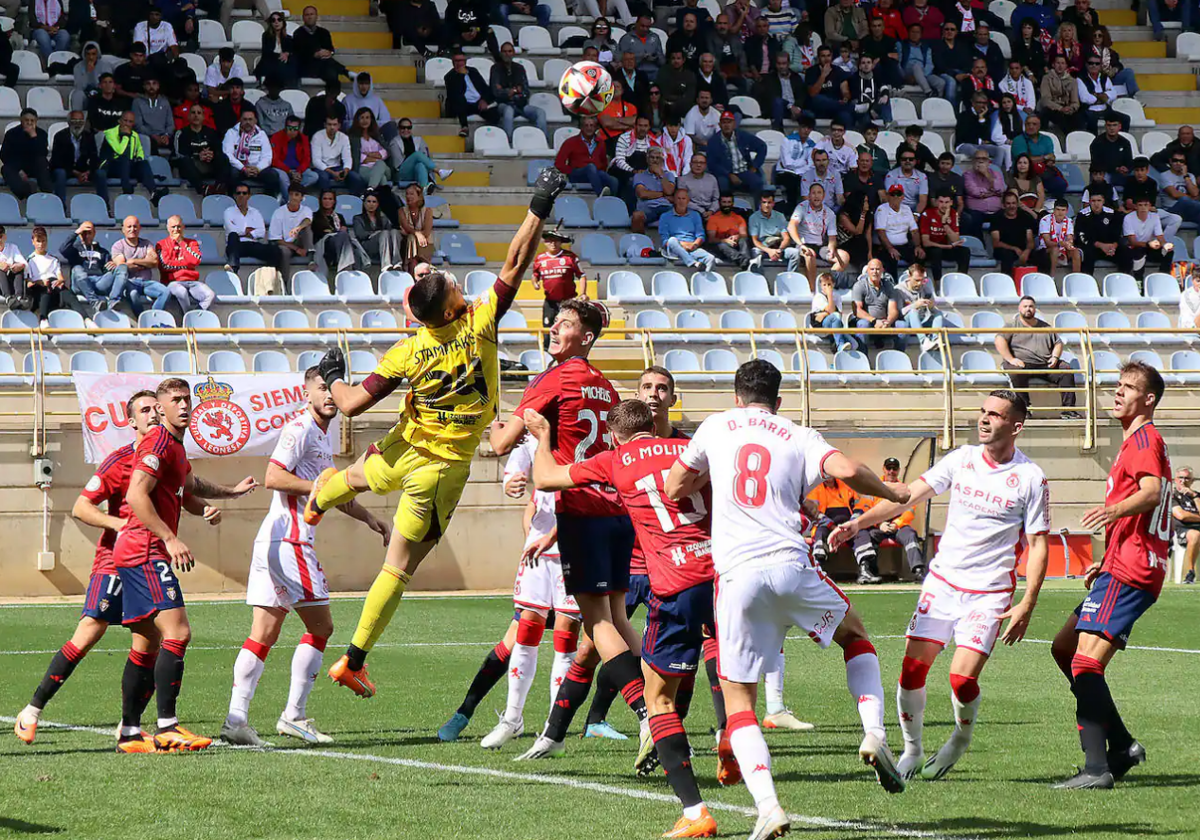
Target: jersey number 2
point(752, 463)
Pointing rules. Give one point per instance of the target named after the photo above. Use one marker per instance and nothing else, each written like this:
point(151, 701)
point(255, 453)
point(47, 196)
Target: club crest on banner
point(218, 425)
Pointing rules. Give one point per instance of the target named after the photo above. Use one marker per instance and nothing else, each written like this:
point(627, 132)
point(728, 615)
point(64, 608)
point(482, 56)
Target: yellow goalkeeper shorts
point(431, 486)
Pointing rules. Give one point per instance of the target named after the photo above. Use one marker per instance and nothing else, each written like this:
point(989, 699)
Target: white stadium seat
point(436, 69)
point(212, 35)
point(1130, 106)
point(551, 105)
point(246, 35)
point(47, 101)
point(529, 141)
point(905, 113)
point(536, 41)
point(30, 65)
point(562, 134)
point(492, 142)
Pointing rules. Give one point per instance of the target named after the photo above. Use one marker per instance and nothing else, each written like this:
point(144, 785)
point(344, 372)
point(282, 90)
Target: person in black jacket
point(24, 157)
point(414, 22)
point(689, 39)
point(709, 78)
point(467, 26)
point(1098, 232)
point(314, 49)
point(198, 153)
point(283, 64)
point(1111, 151)
point(73, 155)
point(322, 106)
point(781, 93)
point(105, 107)
point(8, 69)
point(467, 93)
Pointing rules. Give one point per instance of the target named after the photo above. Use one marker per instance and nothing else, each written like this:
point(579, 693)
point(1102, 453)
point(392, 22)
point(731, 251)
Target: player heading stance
point(1136, 517)
point(995, 493)
point(677, 543)
point(146, 548)
point(453, 376)
point(285, 573)
point(760, 467)
point(102, 605)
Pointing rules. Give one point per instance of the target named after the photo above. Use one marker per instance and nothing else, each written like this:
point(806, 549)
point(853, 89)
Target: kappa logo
point(976, 640)
point(219, 426)
point(516, 672)
point(761, 768)
point(863, 698)
point(906, 717)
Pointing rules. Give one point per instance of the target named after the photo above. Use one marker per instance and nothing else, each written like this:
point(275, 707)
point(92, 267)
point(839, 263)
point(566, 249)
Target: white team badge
point(219, 426)
point(93, 484)
point(150, 461)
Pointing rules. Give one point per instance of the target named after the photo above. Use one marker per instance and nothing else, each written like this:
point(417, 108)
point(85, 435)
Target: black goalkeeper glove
point(332, 366)
point(549, 185)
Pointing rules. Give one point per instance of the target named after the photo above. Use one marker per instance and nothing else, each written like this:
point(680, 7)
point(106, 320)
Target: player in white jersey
point(760, 467)
point(285, 574)
point(996, 492)
point(538, 589)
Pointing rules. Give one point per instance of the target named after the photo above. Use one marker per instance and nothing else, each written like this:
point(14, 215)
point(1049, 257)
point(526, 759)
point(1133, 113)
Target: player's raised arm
point(89, 513)
point(549, 185)
point(547, 473)
point(1035, 575)
point(859, 477)
point(197, 486)
point(141, 485)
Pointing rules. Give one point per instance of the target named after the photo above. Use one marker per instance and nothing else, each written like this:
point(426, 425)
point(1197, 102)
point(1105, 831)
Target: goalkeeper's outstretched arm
point(549, 184)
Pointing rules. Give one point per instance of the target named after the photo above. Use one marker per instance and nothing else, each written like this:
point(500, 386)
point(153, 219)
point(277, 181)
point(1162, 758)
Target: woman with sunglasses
point(377, 236)
point(336, 247)
point(412, 160)
point(278, 58)
point(602, 39)
point(1110, 61)
point(655, 110)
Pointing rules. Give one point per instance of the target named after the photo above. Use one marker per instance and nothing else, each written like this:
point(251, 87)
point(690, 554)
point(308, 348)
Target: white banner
point(232, 414)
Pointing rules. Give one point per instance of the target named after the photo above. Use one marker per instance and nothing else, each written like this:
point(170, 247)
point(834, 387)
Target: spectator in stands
point(709, 78)
point(321, 106)
point(836, 503)
point(1144, 233)
point(1096, 96)
point(985, 187)
point(162, 47)
point(248, 150)
point(152, 117)
point(828, 89)
point(855, 232)
point(272, 110)
point(820, 173)
point(182, 111)
point(946, 180)
point(46, 289)
point(85, 75)
point(277, 57)
point(1035, 351)
point(1098, 185)
point(915, 183)
point(1189, 301)
point(914, 295)
point(363, 95)
point(122, 157)
point(180, 15)
point(1028, 50)
point(813, 227)
point(940, 237)
point(1025, 182)
point(729, 52)
point(826, 313)
point(1100, 45)
point(1056, 240)
point(413, 159)
point(632, 147)
point(704, 21)
point(12, 274)
point(677, 83)
point(1185, 141)
point(798, 45)
point(179, 261)
point(468, 95)
point(743, 16)
point(48, 26)
point(198, 154)
point(656, 109)
point(864, 179)
point(227, 7)
point(1067, 45)
point(951, 63)
point(880, 163)
point(876, 304)
point(1017, 85)
point(226, 66)
point(607, 50)
point(1083, 17)
point(1169, 10)
point(682, 234)
point(795, 159)
point(314, 49)
point(416, 223)
point(1060, 103)
point(105, 107)
point(897, 233)
point(1112, 151)
point(761, 50)
point(780, 93)
point(510, 90)
point(246, 233)
point(368, 151)
point(1013, 233)
point(377, 236)
point(701, 186)
point(645, 46)
point(635, 84)
point(916, 63)
point(93, 274)
point(845, 22)
point(978, 81)
point(676, 145)
point(653, 187)
point(982, 46)
point(727, 234)
point(780, 20)
point(1099, 237)
point(1031, 141)
point(927, 16)
point(23, 157)
point(735, 158)
point(332, 159)
point(701, 122)
point(1181, 195)
point(290, 230)
point(73, 155)
point(926, 160)
point(974, 131)
point(769, 235)
point(884, 52)
point(688, 39)
point(228, 112)
point(416, 23)
point(583, 160)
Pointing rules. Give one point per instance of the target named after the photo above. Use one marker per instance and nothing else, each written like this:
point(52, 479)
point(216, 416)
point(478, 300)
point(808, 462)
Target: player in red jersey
point(555, 271)
point(144, 552)
point(102, 605)
point(676, 539)
point(595, 537)
point(1136, 517)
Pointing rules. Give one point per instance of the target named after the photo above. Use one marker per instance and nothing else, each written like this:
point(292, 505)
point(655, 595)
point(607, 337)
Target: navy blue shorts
point(638, 593)
point(148, 589)
point(675, 630)
point(103, 601)
point(595, 552)
point(1111, 608)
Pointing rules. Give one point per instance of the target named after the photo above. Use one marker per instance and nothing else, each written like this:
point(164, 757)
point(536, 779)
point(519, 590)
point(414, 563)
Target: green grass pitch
point(386, 776)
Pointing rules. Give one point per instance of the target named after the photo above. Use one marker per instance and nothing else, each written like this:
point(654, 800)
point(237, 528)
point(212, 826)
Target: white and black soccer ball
point(585, 89)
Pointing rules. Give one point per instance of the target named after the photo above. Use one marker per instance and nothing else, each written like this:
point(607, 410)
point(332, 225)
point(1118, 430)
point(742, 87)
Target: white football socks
point(773, 683)
point(522, 665)
point(306, 663)
point(750, 749)
point(910, 704)
point(247, 669)
point(558, 673)
point(866, 687)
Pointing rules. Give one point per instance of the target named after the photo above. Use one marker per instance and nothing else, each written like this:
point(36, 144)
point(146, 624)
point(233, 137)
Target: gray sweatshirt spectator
point(645, 46)
point(703, 191)
point(153, 117)
point(272, 109)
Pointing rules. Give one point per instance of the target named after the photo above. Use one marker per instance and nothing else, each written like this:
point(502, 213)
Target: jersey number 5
point(649, 486)
point(752, 463)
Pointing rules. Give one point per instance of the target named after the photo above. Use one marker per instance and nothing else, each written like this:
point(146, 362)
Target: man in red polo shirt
point(939, 236)
point(584, 159)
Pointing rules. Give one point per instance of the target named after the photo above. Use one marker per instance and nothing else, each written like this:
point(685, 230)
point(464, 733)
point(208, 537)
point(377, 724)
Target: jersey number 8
point(752, 463)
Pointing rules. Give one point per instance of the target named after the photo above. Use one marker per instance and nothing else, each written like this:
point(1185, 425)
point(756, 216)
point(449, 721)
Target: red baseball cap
point(728, 115)
point(895, 189)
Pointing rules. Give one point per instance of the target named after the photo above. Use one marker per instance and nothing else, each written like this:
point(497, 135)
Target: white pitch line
point(534, 778)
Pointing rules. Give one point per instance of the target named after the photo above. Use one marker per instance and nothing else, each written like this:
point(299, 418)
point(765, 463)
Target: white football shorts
point(971, 618)
point(540, 588)
point(285, 575)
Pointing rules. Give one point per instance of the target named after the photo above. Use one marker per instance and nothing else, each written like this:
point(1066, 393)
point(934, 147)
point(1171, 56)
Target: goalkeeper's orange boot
point(703, 826)
point(140, 743)
point(357, 681)
point(312, 515)
point(177, 739)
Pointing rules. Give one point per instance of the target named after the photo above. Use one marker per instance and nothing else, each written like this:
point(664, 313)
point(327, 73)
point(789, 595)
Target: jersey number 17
point(650, 486)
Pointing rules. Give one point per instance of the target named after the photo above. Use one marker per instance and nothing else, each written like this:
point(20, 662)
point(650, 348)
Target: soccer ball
point(585, 89)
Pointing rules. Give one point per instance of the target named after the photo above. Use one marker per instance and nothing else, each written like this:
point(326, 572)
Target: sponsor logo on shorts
point(1089, 606)
point(824, 623)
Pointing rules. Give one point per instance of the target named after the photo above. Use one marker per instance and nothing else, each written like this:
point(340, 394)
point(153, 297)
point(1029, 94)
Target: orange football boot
point(139, 744)
point(178, 739)
point(702, 826)
point(728, 771)
point(26, 727)
point(311, 515)
point(357, 681)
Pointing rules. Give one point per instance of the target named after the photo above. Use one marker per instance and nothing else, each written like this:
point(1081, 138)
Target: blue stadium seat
point(362, 361)
point(380, 319)
point(598, 249)
point(210, 254)
point(393, 285)
point(176, 361)
point(957, 289)
point(1185, 365)
point(441, 219)
point(10, 212)
point(1081, 288)
point(573, 212)
point(669, 287)
point(694, 319)
point(534, 360)
point(998, 289)
point(1107, 366)
point(627, 287)
point(293, 319)
point(534, 168)
point(653, 319)
point(1040, 287)
point(354, 287)
point(459, 249)
point(45, 209)
point(159, 319)
point(749, 287)
point(709, 287)
point(720, 364)
point(633, 245)
point(67, 319)
point(308, 285)
point(684, 365)
point(200, 319)
point(1076, 182)
point(161, 170)
point(898, 367)
point(819, 370)
point(226, 361)
point(228, 287)
point(1162, 289)
point(1150, 357)
point(271, 361)
point(952, 320)
point(265, 204)
point(1115, 321)
point(248, 319)
point(853, 367)
point(610, 212)
point(89, 361)
point(1122, 288)
point(512, 320)
point(307, 359)
point(1067, 321)
point(476, 283)
point(51, 364)
point(930, 365)
point(779, 319)
point(737, 319)
point(18, 320)
point(987, 320)
point(110, 319)
point(772, 356)
point(173, 205)
point(134, 361)
point(89, 207)
point(979, 360)
point(135, 205)
point(213, 208)
point(21, 238)
point(349, 205)
point(979, 254)
point(1156, 321)
point(791, 287)
point(332, 319)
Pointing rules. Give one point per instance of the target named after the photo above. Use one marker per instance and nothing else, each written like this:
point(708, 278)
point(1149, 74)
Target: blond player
point(285, 573)
point(996, 492)
point(452, 372)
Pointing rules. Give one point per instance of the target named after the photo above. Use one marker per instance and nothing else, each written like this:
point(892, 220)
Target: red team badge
point(218, 426)
point(1013, 481)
